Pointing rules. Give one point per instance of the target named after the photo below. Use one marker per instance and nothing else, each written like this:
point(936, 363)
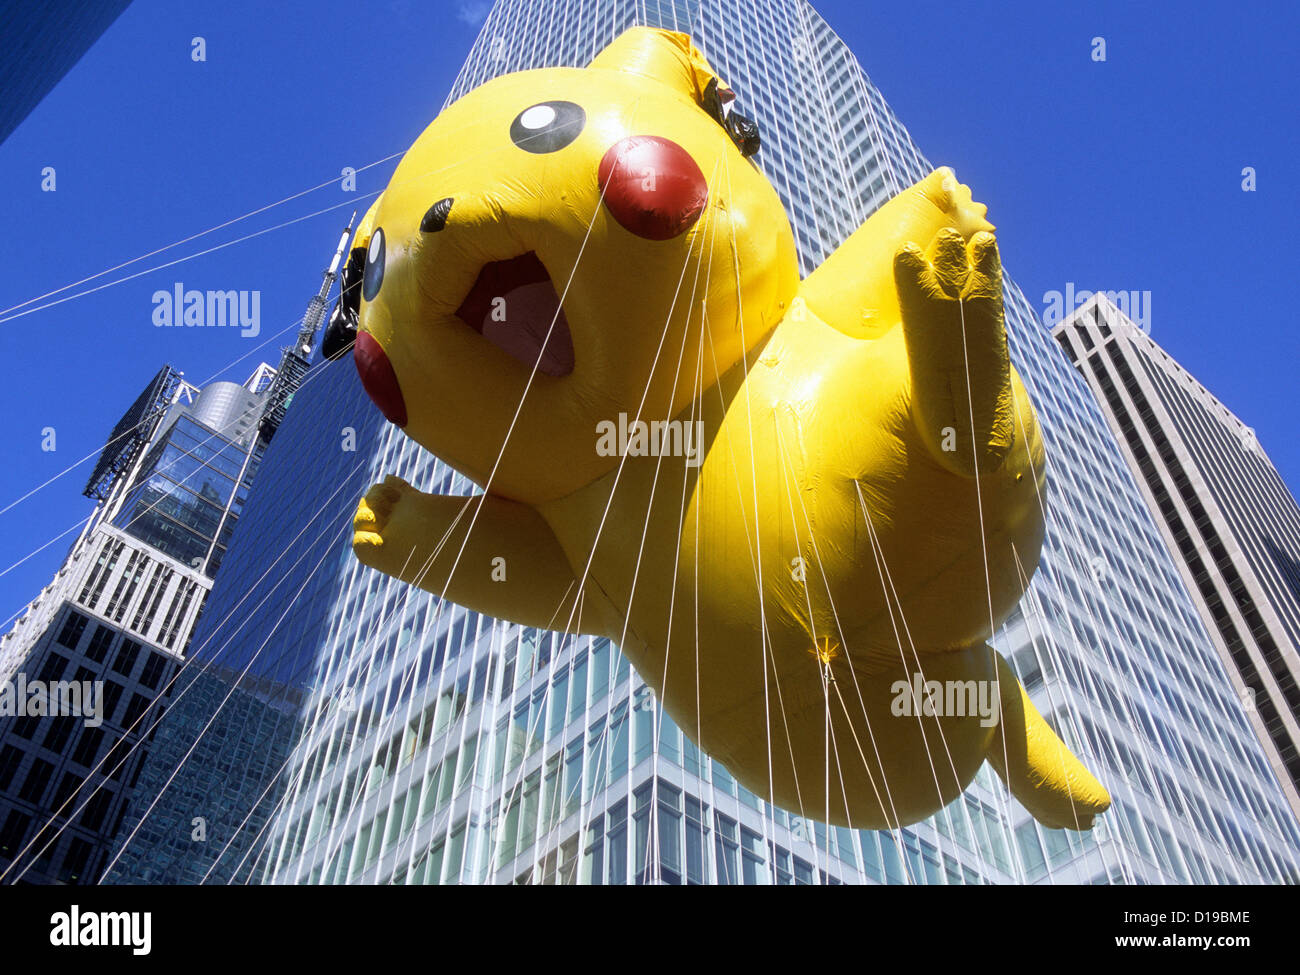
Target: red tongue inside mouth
point(513, 305)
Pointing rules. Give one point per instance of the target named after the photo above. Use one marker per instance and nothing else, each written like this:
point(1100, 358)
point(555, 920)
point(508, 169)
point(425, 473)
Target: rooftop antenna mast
point(295, 361)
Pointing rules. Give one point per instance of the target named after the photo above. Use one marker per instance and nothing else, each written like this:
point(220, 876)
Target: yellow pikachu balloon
point(799, 507)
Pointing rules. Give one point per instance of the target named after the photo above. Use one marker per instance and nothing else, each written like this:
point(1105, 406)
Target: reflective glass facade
point(415, 742)
point(166, 508)
point(119, 615)
point(45, 45)
point(189, 492)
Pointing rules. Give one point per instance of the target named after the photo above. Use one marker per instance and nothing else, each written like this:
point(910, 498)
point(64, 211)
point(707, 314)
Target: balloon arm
point(950, 302)
point(511, 566)
point(1041, 772)
point(853, 290)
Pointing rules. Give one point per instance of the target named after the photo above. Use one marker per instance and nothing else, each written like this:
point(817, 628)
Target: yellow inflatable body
point(784, 500)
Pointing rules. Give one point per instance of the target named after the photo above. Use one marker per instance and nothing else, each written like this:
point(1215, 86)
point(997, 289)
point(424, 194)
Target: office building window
point(138, 705)
point(10, 757)
point(53, 667)
point(60, 731)
point(727, 851)
point(13, 833)
point(33, 787)
point(96, 808)
point(803, 874)
point(112, 694)
point(88, 747)
point(99, 643)
point(670, 832)
point(124, 663)
point(61, 802)
point(154, 668)
point(26, 726)
point(117, 759)
point(74, 863)
point(752, 869)
point(73, 627)
point(696, 840)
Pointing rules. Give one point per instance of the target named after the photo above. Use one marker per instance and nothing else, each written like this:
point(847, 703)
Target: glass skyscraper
point(171, 483)
point(45, 42)
point(368, 733)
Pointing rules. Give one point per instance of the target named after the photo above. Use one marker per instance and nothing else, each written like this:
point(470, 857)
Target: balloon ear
point(671, 59)
point(663, 56)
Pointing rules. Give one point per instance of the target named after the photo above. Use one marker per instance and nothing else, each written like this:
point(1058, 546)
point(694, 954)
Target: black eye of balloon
point(547, 126)
point(374, 273)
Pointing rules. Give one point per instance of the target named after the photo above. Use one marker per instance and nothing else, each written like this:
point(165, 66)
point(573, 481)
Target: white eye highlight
point(537, 117)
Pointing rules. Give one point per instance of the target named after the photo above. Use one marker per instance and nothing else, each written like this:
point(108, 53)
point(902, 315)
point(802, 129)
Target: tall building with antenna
point(118, 617)
point(113, 627)
point(379, 736)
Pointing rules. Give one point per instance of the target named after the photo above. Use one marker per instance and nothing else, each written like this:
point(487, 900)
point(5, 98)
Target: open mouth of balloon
point(514, 305)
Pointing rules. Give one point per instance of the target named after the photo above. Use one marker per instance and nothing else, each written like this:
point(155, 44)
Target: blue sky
point(1122, 175)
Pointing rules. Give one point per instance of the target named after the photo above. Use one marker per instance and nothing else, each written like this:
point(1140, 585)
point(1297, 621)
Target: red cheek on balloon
point(652, 186)
point(378, 378)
